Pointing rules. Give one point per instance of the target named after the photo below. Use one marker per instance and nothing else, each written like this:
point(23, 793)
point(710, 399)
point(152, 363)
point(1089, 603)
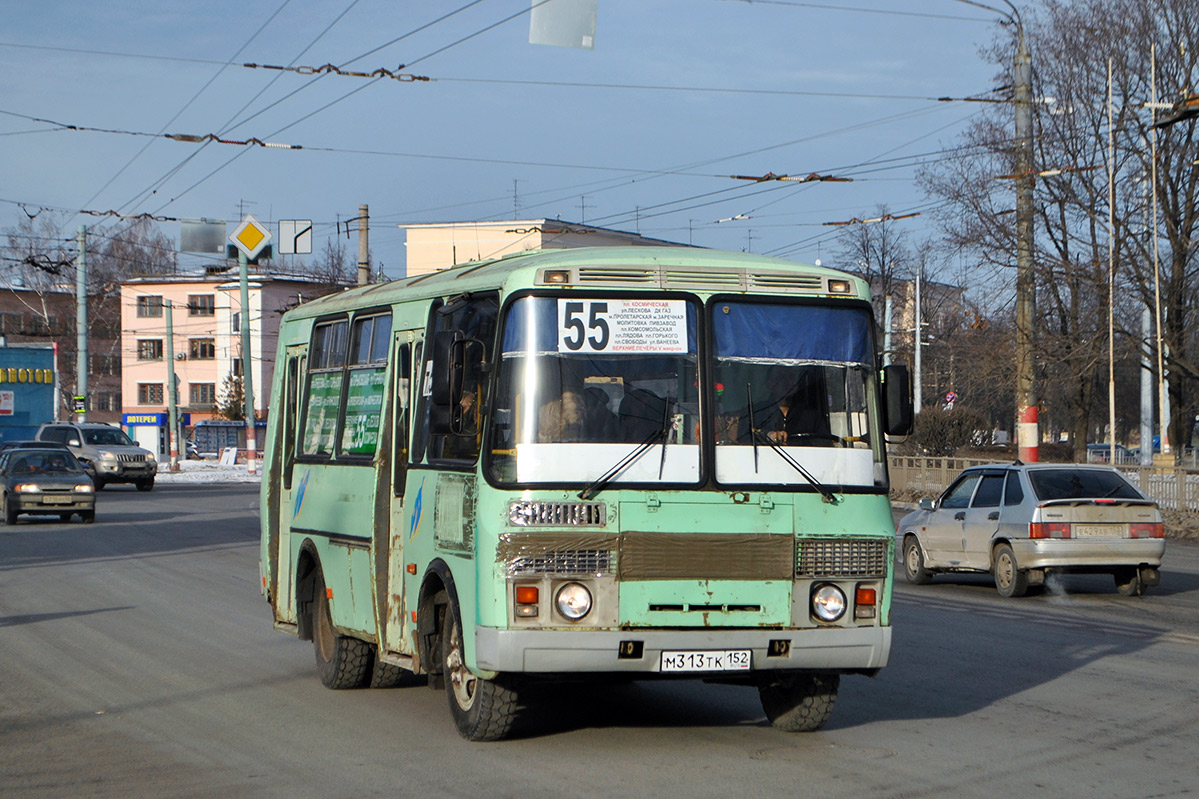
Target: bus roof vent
point(704, 279)
point(634, 275)
point(784, 281)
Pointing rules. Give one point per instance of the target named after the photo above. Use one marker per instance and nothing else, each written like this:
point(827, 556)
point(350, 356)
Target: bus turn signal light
point(527, 598)
point(865, 600)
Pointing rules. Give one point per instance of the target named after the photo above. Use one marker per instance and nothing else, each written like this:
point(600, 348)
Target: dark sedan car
point(45, 481)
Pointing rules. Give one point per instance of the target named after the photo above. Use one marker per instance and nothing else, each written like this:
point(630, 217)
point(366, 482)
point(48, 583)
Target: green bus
point(640, 462)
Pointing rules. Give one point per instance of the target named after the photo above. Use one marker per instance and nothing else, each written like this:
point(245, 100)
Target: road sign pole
point(247, 368)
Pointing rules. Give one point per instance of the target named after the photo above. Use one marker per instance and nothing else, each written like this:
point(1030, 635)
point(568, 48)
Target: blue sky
point(502, 127)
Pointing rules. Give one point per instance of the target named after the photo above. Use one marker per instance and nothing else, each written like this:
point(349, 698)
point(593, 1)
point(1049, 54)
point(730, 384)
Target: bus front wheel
point(483, 710)
point(341, 661)
point(798, 702)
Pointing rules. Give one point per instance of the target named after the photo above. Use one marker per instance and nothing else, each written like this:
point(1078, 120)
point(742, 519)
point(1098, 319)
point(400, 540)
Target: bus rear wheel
point(798, 702)
point(341, 661)
point(483, 710)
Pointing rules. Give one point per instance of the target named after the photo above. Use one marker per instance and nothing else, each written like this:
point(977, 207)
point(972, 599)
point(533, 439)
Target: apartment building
point(206, 321)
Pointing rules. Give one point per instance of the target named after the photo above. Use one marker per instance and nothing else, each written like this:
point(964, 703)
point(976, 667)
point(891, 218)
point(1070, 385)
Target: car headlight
point(574, 601)
point(28, 488)
point(828, 602)
point(85, 488)
point(106, 455)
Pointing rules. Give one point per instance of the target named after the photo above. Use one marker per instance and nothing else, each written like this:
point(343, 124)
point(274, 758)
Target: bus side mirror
point(447, 368)
point(457, 364)
point(897, 400)
point(446, 377)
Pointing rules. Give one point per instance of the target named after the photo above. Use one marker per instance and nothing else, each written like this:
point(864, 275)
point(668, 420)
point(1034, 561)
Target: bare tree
point(1071, 44)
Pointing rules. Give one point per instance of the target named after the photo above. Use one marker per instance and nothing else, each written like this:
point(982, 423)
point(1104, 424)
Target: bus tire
point(388, 675)
point(342, 661)
point(483, 710)
point(798, 701)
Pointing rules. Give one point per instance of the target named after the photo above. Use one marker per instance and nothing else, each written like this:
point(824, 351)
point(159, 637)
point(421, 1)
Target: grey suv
point(110, 453)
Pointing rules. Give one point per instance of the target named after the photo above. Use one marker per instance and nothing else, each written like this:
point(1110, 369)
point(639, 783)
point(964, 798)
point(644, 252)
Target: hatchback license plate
point(51, 499)
point(1097, 530)
point(718, 660)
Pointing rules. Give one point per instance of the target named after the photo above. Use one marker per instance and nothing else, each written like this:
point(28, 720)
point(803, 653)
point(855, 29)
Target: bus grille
point(564, 563)
point(557, 514)
point(839, 557)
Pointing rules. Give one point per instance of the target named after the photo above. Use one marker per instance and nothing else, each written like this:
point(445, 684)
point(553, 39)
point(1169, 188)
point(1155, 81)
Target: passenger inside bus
point(794, 410)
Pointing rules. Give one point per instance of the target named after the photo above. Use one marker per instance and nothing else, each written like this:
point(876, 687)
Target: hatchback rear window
point(1080, 484)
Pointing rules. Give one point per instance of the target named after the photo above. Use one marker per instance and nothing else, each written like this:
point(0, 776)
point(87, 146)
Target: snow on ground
point(207, 471)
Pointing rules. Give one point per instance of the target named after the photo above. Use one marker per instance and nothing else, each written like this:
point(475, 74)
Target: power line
point(188, 104)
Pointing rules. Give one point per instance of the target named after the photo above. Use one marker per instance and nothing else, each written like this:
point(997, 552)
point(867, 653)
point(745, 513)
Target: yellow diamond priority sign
point(250, 237)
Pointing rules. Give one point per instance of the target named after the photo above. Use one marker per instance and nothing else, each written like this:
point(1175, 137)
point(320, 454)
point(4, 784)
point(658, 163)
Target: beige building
point(206, 324)
point(440, 246)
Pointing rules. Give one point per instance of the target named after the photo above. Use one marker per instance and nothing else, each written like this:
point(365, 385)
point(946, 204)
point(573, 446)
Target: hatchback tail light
point(1147, 530)
point(1049, 530)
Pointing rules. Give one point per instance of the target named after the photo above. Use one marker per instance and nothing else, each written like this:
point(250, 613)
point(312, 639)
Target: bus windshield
point(795, 385)
point(585, 383)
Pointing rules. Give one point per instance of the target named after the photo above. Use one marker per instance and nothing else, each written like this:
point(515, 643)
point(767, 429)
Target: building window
point(203, 393)
point(104, 365)
point(149, 393)
point(237, 367)
point(235, 322)
point(202, 349)
point(149, 305)
point(149, 349)
point(201, 305)
point(104, 401)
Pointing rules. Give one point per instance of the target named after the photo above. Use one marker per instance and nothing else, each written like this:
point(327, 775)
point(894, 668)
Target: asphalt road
point(137, 659)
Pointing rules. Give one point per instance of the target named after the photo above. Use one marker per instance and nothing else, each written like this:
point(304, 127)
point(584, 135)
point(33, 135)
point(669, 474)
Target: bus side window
point(401, 399)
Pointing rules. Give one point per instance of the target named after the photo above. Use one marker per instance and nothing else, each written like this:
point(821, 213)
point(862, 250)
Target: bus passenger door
point(406, 352)
point(279, 508)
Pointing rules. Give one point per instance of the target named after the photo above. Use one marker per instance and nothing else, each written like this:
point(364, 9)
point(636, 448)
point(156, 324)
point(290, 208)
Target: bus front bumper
point(563, 651)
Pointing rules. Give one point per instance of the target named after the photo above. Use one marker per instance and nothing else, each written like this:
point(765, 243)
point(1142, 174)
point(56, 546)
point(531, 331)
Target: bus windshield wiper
point(828, 495)
point(756, 435)
point(598, 485)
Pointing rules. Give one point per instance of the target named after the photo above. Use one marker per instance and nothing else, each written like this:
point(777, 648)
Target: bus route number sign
point(622, 326)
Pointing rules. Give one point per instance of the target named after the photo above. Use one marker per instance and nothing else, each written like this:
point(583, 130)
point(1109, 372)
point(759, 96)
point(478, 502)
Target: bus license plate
point(719, 660)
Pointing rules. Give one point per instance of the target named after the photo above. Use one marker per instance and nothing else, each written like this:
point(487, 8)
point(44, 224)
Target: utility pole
point(247, 361)
point(81, 322)
point(1027, 432)
point(172, 408)
point(887, 331)
point(1026, 394)
point(917, 381)
point(364, 250)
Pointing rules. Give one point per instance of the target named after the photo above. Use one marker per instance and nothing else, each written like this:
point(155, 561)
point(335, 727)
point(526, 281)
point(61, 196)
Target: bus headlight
point(828, 602)
point(573, 601)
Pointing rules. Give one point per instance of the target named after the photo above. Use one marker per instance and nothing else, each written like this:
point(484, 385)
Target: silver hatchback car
point(1022, 521)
